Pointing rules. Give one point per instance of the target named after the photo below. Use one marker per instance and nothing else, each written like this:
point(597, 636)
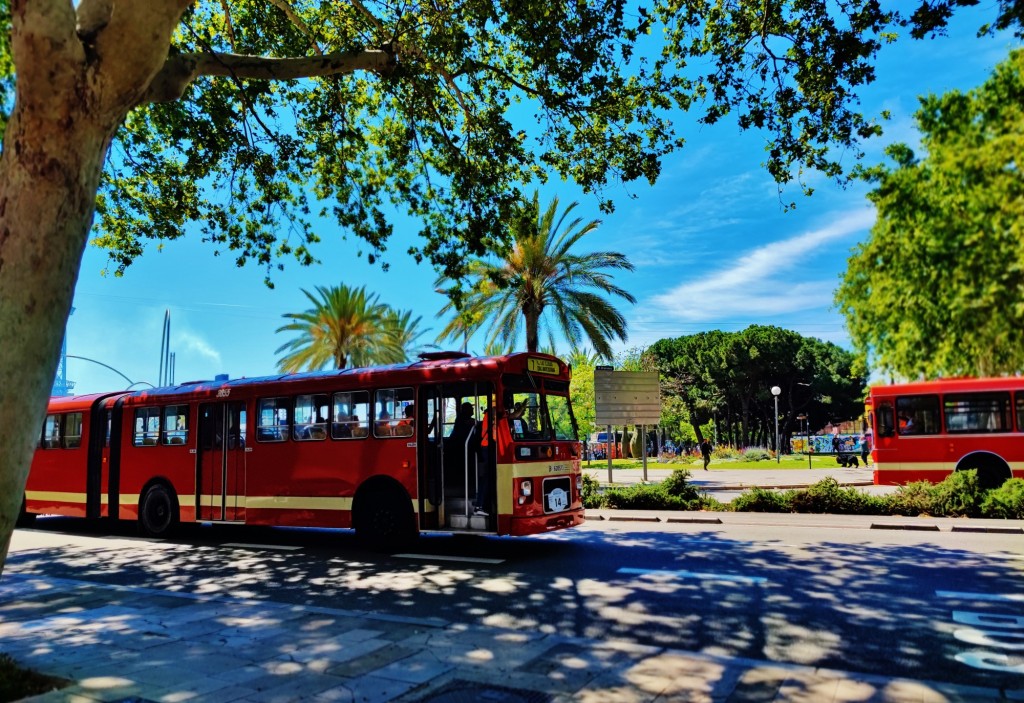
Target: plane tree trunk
point(78, 75)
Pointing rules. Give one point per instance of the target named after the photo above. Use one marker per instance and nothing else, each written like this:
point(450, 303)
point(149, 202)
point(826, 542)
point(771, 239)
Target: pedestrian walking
point(705, 450)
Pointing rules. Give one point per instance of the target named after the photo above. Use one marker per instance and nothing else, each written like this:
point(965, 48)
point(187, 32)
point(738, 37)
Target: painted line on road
point(442, 557)
point(752, 580)
point(277, 547)
point(962, 595)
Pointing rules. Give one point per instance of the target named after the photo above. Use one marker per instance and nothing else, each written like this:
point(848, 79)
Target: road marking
point(722, 542)
point(961, 595)
point(279, 547)
point(753, 580)
point(441, 557)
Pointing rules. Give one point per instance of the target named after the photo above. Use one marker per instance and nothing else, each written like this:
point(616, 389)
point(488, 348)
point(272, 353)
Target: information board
point(627, 397)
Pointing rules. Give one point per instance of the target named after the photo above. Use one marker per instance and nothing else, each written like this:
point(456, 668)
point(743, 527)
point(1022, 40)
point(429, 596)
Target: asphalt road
point(825, 591)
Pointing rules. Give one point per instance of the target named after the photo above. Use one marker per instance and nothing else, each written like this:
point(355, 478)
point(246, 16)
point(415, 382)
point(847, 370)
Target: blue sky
point(712, 246)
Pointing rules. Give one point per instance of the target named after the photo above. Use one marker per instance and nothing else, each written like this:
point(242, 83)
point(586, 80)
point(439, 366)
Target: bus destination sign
point(542, 366)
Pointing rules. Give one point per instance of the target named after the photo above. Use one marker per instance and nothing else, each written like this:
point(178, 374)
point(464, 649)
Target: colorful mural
point(822, 444)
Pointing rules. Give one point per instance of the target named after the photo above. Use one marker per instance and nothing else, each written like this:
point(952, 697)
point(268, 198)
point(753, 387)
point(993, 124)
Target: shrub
point(1007, 501)
point(724, 452)
point(676, 485)
point(642, 496)
point(756, 454)
point(827, 496)
point(760, 500)
point(590, 493)
point(911, 499)
point(959, 494)
point(17, 683)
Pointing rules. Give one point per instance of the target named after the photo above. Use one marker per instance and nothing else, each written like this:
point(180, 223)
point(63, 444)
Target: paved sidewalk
point(135, 645)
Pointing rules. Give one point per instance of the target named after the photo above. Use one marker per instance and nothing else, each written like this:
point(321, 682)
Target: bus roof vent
point(439, 355)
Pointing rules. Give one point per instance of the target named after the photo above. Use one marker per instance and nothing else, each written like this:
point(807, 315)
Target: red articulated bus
point(388, 451)
point(924, 431)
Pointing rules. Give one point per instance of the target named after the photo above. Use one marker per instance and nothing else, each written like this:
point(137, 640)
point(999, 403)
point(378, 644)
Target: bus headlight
point(526, 487)
point(579, 483)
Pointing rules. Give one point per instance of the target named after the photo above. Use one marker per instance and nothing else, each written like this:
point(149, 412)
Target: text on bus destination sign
point(542, 366)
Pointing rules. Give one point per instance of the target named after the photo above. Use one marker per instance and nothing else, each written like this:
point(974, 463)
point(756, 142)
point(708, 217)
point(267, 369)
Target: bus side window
point(886, 426)
point(918, 414)
point(310, 417)
point(272, 414)
point(147, 427)
point(175, 424)
point(51, 432)
point(350, 419)
point(72, 430)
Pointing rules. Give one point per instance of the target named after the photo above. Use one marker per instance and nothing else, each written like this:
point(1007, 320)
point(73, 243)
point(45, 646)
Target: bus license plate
point(556, 494)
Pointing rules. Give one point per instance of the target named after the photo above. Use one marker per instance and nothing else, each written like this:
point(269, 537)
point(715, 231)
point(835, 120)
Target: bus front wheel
point(158, 511)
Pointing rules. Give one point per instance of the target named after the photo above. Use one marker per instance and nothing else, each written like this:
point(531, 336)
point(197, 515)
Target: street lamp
point(775, 392)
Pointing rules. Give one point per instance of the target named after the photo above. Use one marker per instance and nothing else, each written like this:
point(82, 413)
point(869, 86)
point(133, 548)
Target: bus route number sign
point(542, 366)
point(558, 500)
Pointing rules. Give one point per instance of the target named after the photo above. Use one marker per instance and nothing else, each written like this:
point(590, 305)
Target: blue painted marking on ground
point(752, 580)
point(961, 595)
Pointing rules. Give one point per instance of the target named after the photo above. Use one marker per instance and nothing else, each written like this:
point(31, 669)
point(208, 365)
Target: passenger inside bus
point(404, 428)
point(383, 426)
point(358, 429)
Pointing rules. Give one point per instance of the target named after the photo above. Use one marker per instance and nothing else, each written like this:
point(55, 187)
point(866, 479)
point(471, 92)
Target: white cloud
point(761, 282)
point(194, 344)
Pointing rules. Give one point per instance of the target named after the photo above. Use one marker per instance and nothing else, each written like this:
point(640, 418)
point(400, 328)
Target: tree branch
point(181, 70)
point(284, 7)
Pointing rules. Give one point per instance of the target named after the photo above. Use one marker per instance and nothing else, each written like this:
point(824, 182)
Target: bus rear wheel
point(25, 518)
point(992, 471)
point(158, 511)
point(384, 520)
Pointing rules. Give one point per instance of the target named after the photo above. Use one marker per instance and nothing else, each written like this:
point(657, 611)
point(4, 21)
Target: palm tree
point(344, 327)
point(405, 332)
point(540, 284)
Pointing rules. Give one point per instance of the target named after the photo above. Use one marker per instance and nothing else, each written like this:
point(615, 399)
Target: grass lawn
point(787, 461)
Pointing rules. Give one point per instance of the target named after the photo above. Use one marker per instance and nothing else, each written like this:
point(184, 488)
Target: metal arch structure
point(61, 384)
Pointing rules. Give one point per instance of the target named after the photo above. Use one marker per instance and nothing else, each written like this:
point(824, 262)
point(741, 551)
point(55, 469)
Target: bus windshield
point(537, 416)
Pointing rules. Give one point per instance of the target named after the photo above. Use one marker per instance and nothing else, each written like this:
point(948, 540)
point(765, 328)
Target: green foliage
point(590, 493)
point(642, 496)
point(346, 327)
point(912, 499)
point(1007, 501)
point(674, 493)
point(581, 390)
point(17, 683)
point(678, 484)
point(958, 495)
point(959, 210)
point(756, 454)
point(827, 496)
point(539, 285)
point(760, 500)
point(717, 373)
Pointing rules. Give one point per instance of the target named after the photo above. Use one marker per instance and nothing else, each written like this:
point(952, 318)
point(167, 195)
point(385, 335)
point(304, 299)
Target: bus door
point(98, 462)
point(220, 465)
point(450, 428)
